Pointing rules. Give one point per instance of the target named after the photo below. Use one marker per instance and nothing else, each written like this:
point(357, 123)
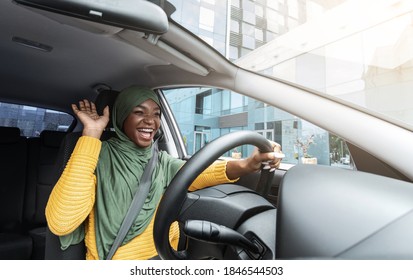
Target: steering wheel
point(175, 195)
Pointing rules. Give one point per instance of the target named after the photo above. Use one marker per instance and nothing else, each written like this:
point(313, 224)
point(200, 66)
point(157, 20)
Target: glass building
point(249, 25)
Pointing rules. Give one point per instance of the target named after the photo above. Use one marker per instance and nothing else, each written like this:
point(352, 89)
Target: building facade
point(249, 25)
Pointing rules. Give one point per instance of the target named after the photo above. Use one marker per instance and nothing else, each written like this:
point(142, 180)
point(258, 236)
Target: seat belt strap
point(137, 202)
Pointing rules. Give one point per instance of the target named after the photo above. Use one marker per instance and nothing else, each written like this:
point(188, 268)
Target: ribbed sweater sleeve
point(73, 196)
point(215, 174)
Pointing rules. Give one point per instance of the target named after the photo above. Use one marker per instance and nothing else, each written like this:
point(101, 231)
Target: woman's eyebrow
point(140, 106)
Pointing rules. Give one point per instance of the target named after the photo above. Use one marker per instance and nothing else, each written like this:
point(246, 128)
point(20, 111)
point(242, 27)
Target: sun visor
point(142, 16)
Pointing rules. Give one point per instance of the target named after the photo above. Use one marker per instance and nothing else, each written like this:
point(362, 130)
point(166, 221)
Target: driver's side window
point(204, 114)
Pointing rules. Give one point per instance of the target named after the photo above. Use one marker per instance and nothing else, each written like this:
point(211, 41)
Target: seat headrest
point(106, 97)
point(51, 138)
point(9, 134)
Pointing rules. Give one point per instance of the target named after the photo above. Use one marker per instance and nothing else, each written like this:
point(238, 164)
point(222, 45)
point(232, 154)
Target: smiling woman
point(143, 121)
point(142, 125)
point(118, 167)
point(281, 71)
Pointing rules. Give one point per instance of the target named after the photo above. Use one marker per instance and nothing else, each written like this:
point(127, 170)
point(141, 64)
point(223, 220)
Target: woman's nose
point(148, 119)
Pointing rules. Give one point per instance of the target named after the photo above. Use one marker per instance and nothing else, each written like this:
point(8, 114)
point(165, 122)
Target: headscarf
point(119, 170)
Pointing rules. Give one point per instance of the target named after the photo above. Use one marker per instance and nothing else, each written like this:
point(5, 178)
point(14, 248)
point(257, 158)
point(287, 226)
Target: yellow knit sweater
point(72, 202)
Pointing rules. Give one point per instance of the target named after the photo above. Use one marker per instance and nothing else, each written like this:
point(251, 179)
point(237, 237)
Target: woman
point(97, 186)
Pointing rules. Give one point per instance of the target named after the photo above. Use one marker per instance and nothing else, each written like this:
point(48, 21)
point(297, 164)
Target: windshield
point(359, 52)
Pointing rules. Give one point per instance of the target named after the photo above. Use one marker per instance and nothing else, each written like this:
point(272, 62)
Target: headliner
point(86, 54)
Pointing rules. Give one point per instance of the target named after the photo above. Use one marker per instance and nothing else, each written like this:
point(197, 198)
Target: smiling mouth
point(146, 133)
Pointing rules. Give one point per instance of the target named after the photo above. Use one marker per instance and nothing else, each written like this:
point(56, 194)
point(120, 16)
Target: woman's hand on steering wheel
point(270, 160)
point(256, 161)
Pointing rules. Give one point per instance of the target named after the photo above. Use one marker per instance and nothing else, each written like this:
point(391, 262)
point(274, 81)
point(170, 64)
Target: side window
point(204, 114)
point(32, 120)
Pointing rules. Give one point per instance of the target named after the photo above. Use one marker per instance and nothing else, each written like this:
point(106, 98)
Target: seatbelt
point(137, 202)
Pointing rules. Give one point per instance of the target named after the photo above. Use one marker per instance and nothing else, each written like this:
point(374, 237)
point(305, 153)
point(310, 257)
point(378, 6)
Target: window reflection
point(204, 114)
point(32, 120)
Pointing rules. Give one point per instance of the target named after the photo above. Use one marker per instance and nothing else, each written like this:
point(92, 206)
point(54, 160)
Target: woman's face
point(142, 123)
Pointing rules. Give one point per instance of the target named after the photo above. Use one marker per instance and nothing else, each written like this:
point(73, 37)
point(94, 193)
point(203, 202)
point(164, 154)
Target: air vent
point(32, 44)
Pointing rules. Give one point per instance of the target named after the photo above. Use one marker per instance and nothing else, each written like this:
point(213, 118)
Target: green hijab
point(120, 167)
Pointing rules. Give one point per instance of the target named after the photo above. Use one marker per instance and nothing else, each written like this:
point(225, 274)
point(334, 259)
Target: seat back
point(42, 154)
point(13, 164)
point(14, 243)
point(106, 98)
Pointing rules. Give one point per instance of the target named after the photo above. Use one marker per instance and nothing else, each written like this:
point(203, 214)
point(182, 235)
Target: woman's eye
point(139, 113)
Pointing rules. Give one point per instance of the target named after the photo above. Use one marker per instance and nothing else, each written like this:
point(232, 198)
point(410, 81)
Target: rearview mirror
point(137, 15)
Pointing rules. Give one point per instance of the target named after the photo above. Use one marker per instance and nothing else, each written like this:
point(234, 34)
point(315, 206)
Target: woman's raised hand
point(93, 124)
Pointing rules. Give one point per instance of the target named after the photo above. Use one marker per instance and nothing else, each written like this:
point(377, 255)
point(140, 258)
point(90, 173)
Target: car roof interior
point(73, 47)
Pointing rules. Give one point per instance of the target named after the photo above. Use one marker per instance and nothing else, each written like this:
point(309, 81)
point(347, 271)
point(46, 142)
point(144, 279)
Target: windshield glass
point(359, 52)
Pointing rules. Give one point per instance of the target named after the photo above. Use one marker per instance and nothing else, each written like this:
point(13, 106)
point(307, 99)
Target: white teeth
point(148, 130)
